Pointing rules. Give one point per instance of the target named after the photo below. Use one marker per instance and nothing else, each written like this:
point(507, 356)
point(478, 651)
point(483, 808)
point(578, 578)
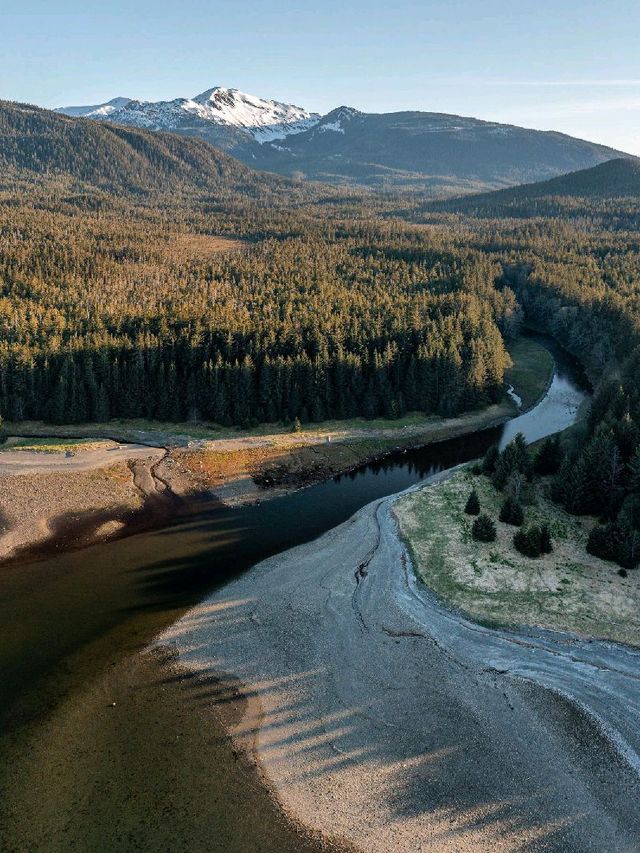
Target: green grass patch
point(531, 372)
point(52, 445)
point(494, 584)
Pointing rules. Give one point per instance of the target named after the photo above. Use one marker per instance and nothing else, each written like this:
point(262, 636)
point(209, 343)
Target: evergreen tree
point(549, 457)
point(483, 529)
point(472, 507)
point(511, 512)
point(533, 541)
point(514, 458)
point(102, 412)
point(490, 459)
point(546, 545)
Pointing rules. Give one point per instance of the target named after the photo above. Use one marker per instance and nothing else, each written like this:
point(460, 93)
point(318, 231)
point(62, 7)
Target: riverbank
point(107, 604)
point(54, 500)
point(82, 485)
point(567, 590)
point(365, 691)
point(50, 500)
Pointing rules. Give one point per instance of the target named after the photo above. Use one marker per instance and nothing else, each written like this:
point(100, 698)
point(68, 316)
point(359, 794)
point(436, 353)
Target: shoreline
point(80, 504)
point(51, 504)
point(138, 577)
point(357, 672)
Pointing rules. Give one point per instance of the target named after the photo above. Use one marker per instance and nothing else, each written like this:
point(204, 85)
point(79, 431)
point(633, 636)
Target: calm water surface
point(71, 627)
point(49, 608)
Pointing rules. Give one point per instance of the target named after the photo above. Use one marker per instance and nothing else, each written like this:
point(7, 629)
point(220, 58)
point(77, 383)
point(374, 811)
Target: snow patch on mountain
point(332, 125)
point(337, 119)
point(265, 120)
point(262, 119)
point(95, 110)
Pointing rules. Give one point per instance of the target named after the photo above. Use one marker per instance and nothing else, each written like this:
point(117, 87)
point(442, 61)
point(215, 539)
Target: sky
point(568, 65)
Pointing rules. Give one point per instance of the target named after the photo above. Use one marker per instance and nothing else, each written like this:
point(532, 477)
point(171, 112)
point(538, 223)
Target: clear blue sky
point(570, 65)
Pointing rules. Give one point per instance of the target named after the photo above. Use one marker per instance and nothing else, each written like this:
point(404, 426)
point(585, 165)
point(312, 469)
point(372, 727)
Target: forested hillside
point(126, 311)
point(115, 300)
point(107, 157)
point(101, 319)
point(580, 280)
point(608, 190)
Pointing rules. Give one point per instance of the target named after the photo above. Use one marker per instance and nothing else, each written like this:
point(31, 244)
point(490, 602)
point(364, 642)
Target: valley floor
point(93, 493)
point(95, 481)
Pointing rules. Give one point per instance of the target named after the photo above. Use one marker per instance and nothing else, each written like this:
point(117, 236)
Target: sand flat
point(381, 718)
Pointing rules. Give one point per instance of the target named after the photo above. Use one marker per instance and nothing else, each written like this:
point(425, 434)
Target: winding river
point(73, 769)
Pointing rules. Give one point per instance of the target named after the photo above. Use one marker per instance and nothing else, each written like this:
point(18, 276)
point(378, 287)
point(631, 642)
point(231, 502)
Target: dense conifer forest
point(101, 319)
point(115, 301)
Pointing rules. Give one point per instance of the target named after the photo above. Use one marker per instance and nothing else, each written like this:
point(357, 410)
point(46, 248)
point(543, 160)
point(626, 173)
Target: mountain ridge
point(38, 144)
point(614, 179)
point(259, 118)
point(440, 153)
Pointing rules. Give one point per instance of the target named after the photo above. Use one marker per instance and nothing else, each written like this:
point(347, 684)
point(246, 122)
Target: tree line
point(103, 319)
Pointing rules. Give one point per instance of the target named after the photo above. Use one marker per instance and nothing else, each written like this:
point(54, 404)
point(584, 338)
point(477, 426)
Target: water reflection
point(85, 593)
point(557, 411)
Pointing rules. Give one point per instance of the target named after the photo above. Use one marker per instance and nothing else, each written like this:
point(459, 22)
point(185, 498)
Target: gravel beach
point(381, 718)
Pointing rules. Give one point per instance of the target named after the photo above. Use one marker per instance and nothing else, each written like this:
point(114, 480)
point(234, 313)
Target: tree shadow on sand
point(440, 771)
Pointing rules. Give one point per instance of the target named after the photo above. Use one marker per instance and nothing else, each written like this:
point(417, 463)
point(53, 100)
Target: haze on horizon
point(570, 67)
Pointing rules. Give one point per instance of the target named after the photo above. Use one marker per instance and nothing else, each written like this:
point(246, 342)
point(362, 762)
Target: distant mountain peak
point(440, 153)
point(345, 112)
point(96, 110)
point(263, 119)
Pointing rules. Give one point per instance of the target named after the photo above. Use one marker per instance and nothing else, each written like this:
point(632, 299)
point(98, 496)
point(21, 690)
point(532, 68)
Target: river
point(73, 769)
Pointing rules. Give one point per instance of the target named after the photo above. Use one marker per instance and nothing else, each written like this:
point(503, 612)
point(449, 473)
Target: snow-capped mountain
point(261, 119)
point(265, 120)
point(96, 110)
point(433, 152)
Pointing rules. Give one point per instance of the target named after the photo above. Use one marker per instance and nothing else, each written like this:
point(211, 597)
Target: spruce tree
point(490, 459)
point(549, 457)
point(514, 458)
point(472, 507)
point(511, 512)
point(483, 529)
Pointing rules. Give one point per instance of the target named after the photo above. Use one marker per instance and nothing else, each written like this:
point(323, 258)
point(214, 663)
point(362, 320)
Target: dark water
point(51, 608)
point(76, 774)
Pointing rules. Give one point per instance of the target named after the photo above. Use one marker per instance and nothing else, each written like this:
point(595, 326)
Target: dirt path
point(34, 462)
point(382, 718)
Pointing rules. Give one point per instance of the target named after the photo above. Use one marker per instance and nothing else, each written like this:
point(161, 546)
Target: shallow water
point(67, 619)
